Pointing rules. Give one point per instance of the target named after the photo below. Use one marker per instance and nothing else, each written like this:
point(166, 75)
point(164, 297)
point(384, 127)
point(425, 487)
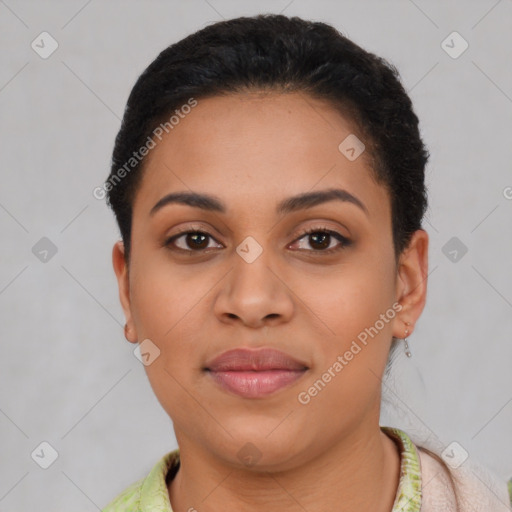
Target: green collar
point(408, 494)
point(151, 494)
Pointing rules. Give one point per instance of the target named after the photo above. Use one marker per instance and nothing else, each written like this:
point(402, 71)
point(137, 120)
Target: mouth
point(255, 373)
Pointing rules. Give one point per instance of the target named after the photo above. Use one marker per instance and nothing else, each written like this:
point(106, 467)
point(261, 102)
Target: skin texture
point(252, 151)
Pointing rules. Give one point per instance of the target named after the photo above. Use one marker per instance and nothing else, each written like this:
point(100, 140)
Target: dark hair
point(277, 53)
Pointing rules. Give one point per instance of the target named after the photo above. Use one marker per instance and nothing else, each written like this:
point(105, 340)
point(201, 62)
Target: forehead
point(259, 145)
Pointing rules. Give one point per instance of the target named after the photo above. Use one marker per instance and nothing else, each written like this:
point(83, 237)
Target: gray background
point(68, 377)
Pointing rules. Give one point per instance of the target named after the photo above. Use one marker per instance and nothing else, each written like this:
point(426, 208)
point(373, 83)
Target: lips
point(254, 373)
point(255, 360)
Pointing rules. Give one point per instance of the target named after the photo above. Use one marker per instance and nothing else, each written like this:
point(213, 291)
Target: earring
point(407, 351)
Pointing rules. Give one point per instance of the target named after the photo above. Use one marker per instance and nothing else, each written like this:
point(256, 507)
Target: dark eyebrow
point(291, 204)
point(310, 199)
point(203, 201)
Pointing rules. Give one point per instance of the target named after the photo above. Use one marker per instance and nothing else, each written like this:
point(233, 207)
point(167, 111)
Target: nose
point(254, 294)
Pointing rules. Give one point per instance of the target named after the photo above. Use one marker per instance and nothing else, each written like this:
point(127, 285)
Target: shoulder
point(466, 487)
point(448, 483)
point(128, 500)
point(149, 493)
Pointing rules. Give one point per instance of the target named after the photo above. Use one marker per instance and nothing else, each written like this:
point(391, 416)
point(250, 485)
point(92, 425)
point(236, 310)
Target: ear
point(123, 282)
point(411, 283)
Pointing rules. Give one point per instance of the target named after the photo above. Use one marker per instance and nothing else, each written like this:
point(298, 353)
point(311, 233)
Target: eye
point(191, 241)
point(321, 240)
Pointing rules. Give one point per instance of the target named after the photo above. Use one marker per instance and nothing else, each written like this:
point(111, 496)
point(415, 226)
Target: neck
point(360, 473)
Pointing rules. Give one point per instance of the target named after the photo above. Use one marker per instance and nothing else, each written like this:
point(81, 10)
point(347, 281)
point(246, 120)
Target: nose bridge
point(253, 292)
point(252, 269)
point(251, 278)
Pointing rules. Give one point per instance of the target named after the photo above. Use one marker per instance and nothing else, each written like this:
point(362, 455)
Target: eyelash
point(345, 242)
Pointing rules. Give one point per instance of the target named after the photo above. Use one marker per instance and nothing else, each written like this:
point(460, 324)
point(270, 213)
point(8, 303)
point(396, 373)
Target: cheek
point(356, 308)
point(346, 382)
point(162, 295)
point(165, 306)
point(351, 298)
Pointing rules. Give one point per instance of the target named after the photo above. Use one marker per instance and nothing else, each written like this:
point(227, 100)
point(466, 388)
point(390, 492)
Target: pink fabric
point(477, 489)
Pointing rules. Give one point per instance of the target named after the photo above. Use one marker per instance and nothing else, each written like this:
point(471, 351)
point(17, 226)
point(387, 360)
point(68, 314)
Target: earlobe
point(129, 334)
point(121, 270)
point(411, 283)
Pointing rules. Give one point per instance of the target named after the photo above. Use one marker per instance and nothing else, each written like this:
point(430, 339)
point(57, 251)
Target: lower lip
point(251, 384)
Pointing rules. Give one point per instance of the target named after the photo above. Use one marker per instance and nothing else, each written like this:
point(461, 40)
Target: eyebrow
point(291, 204)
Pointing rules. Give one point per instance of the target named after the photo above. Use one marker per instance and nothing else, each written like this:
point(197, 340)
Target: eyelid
point(169, 240)
point(342, 239)
point(193, 228)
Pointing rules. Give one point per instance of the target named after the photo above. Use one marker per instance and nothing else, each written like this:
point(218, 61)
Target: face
point(259, 267)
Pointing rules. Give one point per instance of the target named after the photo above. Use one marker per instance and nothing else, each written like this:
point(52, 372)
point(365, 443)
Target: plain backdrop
point(68, 377)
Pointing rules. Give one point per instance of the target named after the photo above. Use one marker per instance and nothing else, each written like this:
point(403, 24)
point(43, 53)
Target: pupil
point(324, 236)
point(195, 237)
point(320, 239)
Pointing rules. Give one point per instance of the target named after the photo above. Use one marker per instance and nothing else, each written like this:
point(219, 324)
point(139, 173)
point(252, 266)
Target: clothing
point(424, 484)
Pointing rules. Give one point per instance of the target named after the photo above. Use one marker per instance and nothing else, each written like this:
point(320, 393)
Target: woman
point(268, 182)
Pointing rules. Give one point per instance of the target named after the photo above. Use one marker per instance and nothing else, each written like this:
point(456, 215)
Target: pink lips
point(255, 373)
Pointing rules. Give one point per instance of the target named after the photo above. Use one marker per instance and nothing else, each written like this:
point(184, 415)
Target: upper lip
point(244, 359)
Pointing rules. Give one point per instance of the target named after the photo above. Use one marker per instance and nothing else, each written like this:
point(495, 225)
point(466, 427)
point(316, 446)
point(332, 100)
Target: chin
point(257, 450)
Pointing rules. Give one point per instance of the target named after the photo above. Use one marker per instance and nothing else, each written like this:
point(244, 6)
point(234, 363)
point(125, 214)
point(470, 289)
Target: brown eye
point(323, 240)
point(320, 240)
point(191, 241)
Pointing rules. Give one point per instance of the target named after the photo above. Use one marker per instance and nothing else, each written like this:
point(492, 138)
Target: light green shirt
point(151, 494)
